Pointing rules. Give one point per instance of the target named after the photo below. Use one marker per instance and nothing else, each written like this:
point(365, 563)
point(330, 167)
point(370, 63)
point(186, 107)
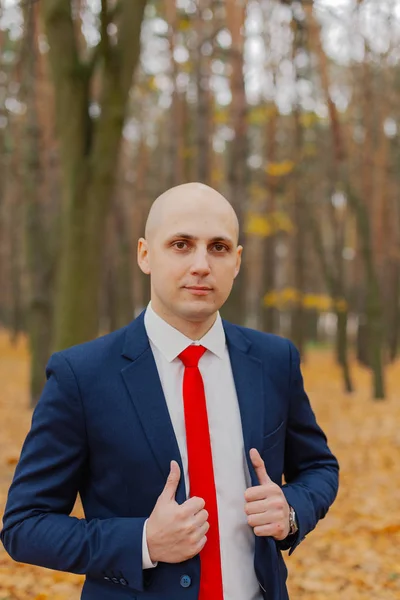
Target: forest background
point(292, 110)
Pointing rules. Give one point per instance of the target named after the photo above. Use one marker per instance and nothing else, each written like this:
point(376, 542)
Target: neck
point(194, 330)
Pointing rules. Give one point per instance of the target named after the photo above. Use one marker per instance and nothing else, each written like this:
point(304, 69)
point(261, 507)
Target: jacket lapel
point(144, 387)
point(248, 378)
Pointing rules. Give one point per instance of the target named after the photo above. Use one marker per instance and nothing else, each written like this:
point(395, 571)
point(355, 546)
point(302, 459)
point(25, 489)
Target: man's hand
point(267, 509)
point(176, 532)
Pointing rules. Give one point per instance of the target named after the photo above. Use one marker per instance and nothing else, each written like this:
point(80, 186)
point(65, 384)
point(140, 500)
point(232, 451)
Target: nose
point(200, 264)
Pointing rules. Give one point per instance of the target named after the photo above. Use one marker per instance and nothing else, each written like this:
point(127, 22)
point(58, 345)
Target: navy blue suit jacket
point(102, 428)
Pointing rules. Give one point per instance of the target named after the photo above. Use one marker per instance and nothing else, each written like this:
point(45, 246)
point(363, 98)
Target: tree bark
point(269, 320)
point(299, 239)
point(394, 317)
point(39, 254)
point(89, 154)
point(176, 136)
point(298, 313)
point(3, 167)
point(335, 286)
point(234, 308)
point(360, 209)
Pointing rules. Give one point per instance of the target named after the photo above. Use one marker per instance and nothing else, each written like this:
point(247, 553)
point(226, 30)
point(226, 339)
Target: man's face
point(193, 259)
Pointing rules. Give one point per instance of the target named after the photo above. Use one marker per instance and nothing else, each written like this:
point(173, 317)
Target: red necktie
point(201, 471)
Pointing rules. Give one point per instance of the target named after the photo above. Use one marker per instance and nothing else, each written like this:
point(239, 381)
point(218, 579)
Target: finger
point(260, 492)
point(275, 530)
point(201, 518)
point(203, 529)
point(259, 467)
point(193, 506)
point(272, 503)
point(256, 507)
point(267, 518)
point(172, 482)
point(202, 540)
point(202, 543)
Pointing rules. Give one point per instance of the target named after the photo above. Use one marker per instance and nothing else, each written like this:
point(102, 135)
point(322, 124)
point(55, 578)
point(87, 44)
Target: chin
point(198, 310)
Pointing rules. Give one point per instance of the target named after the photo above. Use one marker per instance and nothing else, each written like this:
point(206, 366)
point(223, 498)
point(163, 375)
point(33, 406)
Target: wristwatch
point(292, 521)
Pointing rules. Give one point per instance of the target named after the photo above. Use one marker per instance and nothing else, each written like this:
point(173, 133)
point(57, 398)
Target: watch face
point(292, 521)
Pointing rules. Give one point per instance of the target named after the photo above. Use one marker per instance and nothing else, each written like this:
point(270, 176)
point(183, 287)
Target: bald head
point(189, 195)
point(192, 255)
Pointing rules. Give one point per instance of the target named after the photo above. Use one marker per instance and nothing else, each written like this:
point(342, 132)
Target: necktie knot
point(191, 355)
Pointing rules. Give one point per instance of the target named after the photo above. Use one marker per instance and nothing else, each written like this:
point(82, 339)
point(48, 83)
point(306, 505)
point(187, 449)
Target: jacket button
point(123, 581)
point(185, 581)
point(115, 580)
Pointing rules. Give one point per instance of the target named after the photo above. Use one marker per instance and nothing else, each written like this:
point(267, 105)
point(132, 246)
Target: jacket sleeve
point(37, 528)
point(311, 471)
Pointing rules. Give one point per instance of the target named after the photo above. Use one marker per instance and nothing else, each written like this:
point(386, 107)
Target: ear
point(238, 260)
point(143, 256)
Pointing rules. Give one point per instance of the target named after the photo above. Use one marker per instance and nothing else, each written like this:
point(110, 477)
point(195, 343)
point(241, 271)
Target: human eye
point(220, 248)
point(180, 245)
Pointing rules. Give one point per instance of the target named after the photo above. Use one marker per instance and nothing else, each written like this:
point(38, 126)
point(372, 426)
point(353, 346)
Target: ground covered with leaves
point(354, 553)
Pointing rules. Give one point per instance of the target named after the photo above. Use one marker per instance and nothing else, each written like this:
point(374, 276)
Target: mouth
point(198, 290)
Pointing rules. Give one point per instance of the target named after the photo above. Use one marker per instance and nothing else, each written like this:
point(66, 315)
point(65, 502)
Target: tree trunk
point(89, 154)
point(234, 308)
point(16, 320)
point(373, 302)
point(122, 276)
point(138, 211)
point(3, 167)
point(39, 259)
point(299, 239)
point(269, 320)
point(175, 142)
point(360, 209)
point(202, 74)
point(334, 284)
point(342, 349)
point(394, 314)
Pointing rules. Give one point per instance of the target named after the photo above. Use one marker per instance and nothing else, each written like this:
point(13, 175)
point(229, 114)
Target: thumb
point(259, 467)
point(172, 482)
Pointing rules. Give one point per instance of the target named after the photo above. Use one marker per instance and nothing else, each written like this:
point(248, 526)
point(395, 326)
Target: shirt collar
point(171, 342)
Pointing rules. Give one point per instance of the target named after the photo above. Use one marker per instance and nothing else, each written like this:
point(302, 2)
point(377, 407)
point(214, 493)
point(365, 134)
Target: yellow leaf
point(184, 23)
point(282, 222)
point(151, 82)
point(275, 169)
point(290, 295)
point(257, 115)
point(258, 225)
point(354, 552)
point(309, 119)
point(310, 301)
point(263, 225)
point(324, 303)
point(217, 175)
point(271, 298)
point(221, 116)
point(341, 305)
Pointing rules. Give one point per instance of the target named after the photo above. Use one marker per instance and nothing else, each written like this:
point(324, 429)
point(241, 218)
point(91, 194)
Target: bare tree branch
point(104, 23)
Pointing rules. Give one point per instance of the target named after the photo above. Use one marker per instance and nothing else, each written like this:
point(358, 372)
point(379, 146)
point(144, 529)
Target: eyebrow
point(188, 236)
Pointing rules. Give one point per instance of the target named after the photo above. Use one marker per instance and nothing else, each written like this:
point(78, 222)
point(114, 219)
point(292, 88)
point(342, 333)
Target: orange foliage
point(353, 553)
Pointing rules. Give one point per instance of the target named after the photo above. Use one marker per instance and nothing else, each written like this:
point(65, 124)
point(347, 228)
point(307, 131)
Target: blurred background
point(291, 109)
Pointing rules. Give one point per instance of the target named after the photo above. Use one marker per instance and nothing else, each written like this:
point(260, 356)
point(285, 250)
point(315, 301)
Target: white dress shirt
point(231, 473)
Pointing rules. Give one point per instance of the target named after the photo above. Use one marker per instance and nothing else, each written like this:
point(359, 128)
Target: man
point(176, 431)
